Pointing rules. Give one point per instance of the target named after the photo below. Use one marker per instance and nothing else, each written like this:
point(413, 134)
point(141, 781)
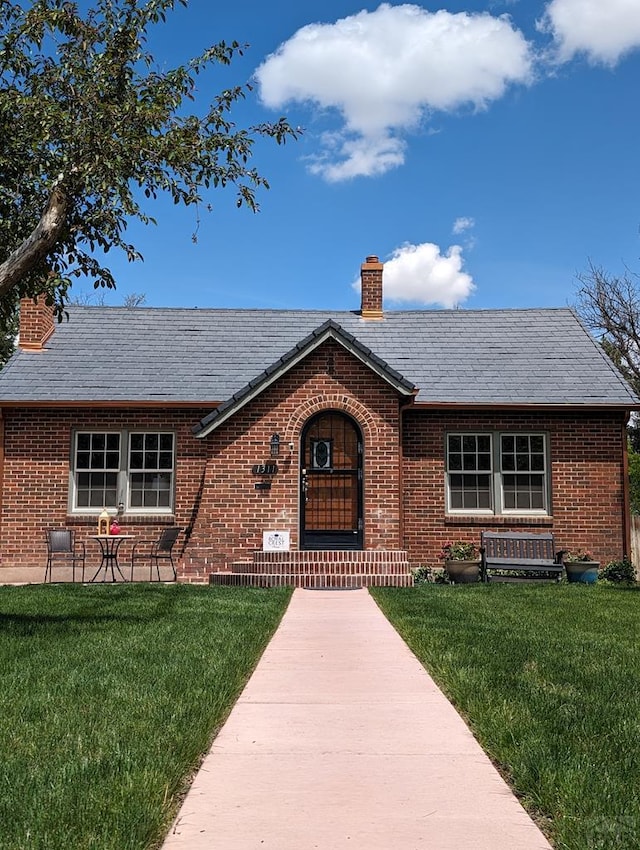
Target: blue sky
point(486, 151)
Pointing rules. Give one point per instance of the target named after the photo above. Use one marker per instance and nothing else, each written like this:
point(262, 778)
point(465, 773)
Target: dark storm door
point(331, 483)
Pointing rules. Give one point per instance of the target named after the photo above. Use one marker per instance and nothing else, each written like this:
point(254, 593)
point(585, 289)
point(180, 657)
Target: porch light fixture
point(274, 445)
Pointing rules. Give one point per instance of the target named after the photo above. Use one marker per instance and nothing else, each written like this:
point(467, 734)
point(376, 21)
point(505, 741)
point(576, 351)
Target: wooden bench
point(520, 552)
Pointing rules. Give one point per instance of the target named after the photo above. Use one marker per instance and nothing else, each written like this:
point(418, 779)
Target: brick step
point(310, 580)
point(316, 568)
point(331, 556)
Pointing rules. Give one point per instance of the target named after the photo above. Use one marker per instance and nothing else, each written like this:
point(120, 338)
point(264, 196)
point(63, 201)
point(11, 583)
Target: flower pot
point(463, 572)
point(585, 572)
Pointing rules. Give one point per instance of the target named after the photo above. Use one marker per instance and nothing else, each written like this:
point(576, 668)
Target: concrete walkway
point(341, 741)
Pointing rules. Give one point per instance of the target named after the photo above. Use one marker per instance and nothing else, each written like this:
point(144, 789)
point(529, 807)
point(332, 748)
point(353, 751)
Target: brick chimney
point(371, 285)
point(36, 323)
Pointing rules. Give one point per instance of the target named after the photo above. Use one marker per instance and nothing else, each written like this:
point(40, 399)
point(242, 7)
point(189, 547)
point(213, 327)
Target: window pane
point(484, 443)
point(484, 462)
point(149, 487)
point(82, 460)
point(469, 492)
point(96, 466)
point(484, 499)
point(508, 443)
point(472, 490)
point(469, 443)
point(455, 462)
point(523, 492)
point(97, 460)
point(112, 460)
point(150, 460)
point(113, 442)
point(537, 443)
point(537, 463)
point(469, 462)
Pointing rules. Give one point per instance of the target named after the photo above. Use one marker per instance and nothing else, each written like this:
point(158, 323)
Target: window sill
point(537, 520)
point(124, 519)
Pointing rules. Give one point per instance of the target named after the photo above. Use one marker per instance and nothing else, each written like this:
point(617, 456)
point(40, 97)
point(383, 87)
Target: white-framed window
point(130, 468)
point(523, 472)
point(497, 473)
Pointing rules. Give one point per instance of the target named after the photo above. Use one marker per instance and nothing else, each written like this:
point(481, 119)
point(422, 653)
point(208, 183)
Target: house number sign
point(264, 469)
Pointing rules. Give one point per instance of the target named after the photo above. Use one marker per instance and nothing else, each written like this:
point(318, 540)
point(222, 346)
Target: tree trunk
point(38, 244)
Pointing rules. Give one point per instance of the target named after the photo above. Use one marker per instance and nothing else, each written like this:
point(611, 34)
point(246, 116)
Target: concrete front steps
point(318, 569)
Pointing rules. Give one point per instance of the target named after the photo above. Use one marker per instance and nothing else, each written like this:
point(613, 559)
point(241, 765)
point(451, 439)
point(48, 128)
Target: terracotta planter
point(585, 572)
point(463, 572)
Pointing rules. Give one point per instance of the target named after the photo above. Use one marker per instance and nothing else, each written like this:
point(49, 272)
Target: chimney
point(371, 285)
point(36, 323)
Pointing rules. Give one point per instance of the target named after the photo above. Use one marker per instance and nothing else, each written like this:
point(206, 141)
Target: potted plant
point(461, 562)
point(580, 567)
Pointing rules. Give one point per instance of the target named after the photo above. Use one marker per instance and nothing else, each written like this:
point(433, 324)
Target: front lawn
point(548, 678)
point(108, 698)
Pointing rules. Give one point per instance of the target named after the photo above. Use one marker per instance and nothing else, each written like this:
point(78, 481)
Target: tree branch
point(35, 248)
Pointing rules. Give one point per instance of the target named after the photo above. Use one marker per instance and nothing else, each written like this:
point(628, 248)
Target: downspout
point(626, 507)
point(401, 540)
point(1, 473)
point(404, 404)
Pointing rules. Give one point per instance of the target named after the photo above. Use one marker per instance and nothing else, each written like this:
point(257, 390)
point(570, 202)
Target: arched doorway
point(331, 483)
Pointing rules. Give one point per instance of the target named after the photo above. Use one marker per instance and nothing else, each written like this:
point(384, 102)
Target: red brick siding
point(587, 494)
point(233, 514)
point(36, 474)
point(215, 489)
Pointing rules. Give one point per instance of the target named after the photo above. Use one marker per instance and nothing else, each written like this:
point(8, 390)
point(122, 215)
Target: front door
point(331, 483)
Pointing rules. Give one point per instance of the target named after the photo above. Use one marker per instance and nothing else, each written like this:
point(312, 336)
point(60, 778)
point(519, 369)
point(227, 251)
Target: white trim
point(496, 475)
point(123, 489)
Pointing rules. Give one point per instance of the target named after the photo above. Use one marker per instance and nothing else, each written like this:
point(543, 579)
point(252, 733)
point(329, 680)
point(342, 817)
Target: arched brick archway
point(331, 482)
point(339, 402)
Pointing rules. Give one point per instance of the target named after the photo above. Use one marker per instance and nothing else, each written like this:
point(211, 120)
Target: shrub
point(619, 572)
point(429, 575)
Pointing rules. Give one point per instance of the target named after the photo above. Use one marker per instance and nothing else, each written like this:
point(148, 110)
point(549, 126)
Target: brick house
point(357, 443)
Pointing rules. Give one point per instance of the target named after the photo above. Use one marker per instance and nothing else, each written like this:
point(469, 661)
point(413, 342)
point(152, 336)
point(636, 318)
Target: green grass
point(548, 678)
point(108, 698)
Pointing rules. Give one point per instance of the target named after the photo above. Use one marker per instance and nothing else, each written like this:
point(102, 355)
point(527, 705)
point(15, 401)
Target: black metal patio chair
point(63, 550)
point(155, 551)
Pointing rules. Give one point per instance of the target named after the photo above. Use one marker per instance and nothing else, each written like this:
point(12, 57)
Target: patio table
point(109, 546)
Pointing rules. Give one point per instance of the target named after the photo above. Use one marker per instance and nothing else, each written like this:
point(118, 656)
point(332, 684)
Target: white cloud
point(384, 71)
point(463, 223)
point(603, 29)
point(422, 275)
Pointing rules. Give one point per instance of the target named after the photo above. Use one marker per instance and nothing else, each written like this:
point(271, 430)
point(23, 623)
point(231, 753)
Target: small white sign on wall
point(275, 541)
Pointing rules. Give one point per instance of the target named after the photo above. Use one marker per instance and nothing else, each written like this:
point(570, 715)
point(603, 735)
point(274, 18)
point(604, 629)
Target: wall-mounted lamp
point(274, 445)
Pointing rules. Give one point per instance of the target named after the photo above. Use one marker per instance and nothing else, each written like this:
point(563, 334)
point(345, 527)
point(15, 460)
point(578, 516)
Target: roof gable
point(328, 330)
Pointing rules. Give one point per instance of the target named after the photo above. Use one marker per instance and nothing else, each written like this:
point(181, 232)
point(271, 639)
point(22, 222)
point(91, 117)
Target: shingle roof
point(195, 356)
point(329, 330)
